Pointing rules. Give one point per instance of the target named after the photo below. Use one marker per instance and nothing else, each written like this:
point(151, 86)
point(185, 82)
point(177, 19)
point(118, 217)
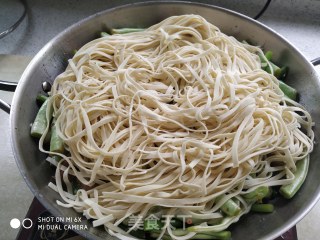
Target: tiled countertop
point(297, 20)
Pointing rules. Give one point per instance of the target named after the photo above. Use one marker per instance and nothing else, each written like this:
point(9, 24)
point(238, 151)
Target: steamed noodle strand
point(173, 116)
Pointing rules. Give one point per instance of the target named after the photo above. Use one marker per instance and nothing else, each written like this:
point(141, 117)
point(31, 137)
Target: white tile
point(15, 197)
point(308, 227)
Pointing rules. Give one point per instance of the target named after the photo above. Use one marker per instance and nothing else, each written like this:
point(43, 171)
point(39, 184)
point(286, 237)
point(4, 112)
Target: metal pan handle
point(10, 87)
point(316, 61)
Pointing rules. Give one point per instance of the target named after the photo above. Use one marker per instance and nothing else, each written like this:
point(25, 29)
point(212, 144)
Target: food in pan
point(173, 132)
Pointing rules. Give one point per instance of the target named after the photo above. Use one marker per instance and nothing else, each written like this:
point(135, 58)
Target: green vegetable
point(231, 208)
point(126, 30)
point(215, 221)
point(265, 63)
point(47, 138)
point(180, 232)
point(270, 194)
point(268, 55)
point(274, 69)
point(40, 123)
point(288, 191)
point(41, 99)
point(204, 236)
point(290, 92)
point(207, 229)
point(56, 143)
point(262, 208)
point(257, 195)
point(270, 67)
point(213, 235)
point(281, 73)
point(246, 42)
point(223, 235)
point(104, 34)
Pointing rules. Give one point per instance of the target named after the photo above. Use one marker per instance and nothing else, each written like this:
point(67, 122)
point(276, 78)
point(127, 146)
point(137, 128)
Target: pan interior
point(52, 60)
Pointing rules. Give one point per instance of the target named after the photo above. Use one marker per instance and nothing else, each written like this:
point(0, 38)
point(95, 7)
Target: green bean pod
point(104, 34)
point(126, 30)
point(56, 143)
point(274, 68)
point(270, 67)
point(268, 55)
point(290, 92)
point(41, 99)
point(231, 208)
point(288, 191)
point(47, 138)
point(281, 73)
point(262, 208)
point(215, 221)
point(257, 195)
point(225, 235)
point(222, 235)
point(40, 123)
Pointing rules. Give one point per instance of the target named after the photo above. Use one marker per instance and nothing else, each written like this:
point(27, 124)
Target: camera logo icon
point(25, 223)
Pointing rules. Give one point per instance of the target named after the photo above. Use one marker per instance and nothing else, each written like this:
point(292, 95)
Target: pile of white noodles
point(173, 116)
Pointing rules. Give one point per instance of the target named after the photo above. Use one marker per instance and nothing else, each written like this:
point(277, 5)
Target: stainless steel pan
point(51, 61)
